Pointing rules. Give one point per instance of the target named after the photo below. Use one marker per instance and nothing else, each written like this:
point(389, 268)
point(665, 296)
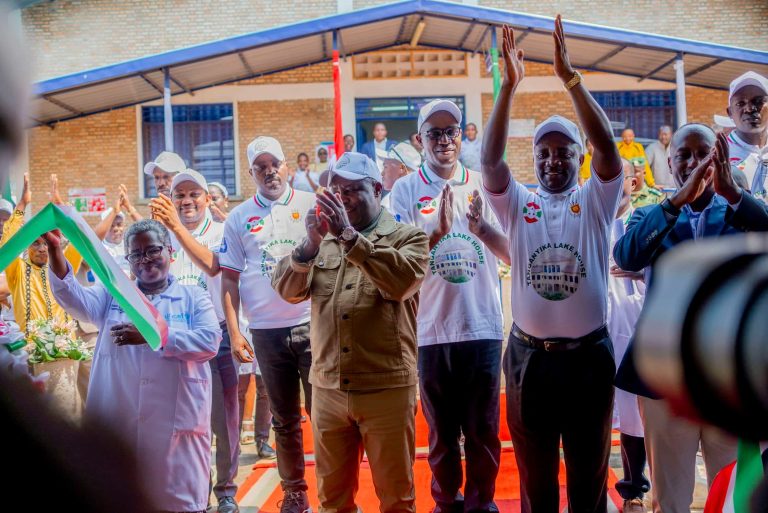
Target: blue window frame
point(203, 135)
point(642, 111)
point(399, 114)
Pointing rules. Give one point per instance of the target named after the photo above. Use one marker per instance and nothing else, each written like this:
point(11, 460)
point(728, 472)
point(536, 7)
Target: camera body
point(702, 340)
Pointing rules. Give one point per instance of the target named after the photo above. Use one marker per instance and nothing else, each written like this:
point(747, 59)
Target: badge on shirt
point(295, 216)
point(574, 208)
point(531, 212)
point(223, 247)
point(426, 205)
point(254, 224)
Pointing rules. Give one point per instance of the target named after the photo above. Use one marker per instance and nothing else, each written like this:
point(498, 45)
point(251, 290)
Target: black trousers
point(554, 395)
point(460, 388)
point(284, 359)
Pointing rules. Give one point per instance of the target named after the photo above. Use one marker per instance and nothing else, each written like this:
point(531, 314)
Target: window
point(642, 111)
point(202, 136)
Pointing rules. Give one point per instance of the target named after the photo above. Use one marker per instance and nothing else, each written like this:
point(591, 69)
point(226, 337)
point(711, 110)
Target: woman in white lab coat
point(158, 401)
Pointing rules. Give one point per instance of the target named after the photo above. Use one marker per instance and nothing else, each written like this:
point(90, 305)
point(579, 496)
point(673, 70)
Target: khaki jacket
point(364, 305)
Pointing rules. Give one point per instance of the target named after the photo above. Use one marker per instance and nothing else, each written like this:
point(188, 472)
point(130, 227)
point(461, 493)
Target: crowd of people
point(366, 282)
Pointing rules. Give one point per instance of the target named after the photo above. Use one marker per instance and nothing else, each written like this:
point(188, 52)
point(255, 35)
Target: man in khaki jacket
point(363, 271)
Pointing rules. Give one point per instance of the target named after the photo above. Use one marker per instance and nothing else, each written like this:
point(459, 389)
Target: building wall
point(72, 35)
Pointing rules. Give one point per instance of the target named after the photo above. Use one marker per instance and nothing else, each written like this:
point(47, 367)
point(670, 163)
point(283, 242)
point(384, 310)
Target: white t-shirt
point(300, 182)
point(747, 157)
point(559, 250)
point(257, 234)
point(209, 234)
point(460, 296)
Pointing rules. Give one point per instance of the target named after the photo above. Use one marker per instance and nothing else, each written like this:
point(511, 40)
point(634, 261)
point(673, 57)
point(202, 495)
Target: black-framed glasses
point(150, 253)
point(452, 132)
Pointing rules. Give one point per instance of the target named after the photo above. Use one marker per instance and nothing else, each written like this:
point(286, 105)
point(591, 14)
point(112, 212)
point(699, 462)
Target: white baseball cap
point(355, 166)
point(438, 106)
point(560, 125)
point(750, 78)
point(6, 206)
point(264, 144)
point(406, 154)
point(108, 211)
point(168, 162)
point(220, 185)
point(190, 175)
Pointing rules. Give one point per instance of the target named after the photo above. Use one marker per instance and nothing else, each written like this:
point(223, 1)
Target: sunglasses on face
point(436, 134)
point(150, 253)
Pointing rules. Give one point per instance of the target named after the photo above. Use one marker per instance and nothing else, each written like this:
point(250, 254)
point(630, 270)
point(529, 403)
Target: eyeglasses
point(150, 253)
point(452, 132)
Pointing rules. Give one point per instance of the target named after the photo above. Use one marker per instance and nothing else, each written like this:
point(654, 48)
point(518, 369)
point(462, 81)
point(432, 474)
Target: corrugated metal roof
point(448, 25)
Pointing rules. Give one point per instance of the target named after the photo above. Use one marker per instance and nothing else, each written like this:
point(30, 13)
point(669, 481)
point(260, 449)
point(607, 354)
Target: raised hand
point(514, 66)
point(445, 212)
point(722, 178)
point(26, 195)
point(562, 62)
point(164, 211)
point(55, 195)
point(696, 183)
point(475, 214)
point(218, 215)
point(332, 212)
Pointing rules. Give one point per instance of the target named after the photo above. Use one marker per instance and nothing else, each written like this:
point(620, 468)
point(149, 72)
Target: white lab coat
point(158, 401)
point(625, 301)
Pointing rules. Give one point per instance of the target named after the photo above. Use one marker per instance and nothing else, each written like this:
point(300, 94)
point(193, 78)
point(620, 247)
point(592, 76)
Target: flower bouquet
point(49, 340)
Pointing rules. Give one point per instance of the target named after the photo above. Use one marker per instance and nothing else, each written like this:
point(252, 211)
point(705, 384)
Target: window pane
point(642, 111)
point(203, 135)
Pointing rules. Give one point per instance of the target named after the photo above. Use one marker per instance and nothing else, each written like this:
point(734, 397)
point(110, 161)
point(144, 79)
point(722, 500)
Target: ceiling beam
point(247, 66)
point(701, 68)
point(180, 85)
point(657, 69)
point(607, 56)
point(467, 32)
point(155, 86)
point(481, 40)
point(63, 105)
point(519, 39)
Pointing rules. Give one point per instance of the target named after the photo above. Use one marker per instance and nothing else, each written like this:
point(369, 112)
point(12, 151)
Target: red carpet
point(507, 484)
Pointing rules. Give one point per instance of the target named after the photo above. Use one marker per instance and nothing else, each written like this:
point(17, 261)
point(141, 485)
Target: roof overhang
point(448, 25)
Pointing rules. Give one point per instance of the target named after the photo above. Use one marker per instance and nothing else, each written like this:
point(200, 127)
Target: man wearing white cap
point(459, 322)
point(196, 240)
point(258, 233)
point(401, 160)
point(559, 362)
point(163, 169)
point(748, 142)
point(362, 271)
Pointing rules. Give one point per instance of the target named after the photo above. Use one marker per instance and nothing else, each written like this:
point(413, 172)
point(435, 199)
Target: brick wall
point(297, 124)
point(72, 35)
point(322, 72)
point(67, 36)
point(96, 151)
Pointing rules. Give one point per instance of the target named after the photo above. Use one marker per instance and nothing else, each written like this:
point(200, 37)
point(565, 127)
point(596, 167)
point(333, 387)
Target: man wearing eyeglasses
point(258, 233)
point(459, 318)
point(196, 240)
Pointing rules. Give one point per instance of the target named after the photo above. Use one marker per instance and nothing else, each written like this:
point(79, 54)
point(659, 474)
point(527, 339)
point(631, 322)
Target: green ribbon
point(749, 473)
point(140, 311)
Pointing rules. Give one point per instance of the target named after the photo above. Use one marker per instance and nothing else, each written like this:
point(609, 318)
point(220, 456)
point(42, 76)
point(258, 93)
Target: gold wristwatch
point(576, 79)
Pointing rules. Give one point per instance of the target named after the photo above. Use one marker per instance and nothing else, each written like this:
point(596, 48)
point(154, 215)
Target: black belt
point(559, 344)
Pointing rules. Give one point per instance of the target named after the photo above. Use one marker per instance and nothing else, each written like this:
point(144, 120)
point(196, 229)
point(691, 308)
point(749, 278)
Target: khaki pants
point(672, 443)
point(380, 422)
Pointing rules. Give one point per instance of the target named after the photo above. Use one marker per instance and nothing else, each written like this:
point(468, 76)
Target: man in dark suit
point(707, 203)
point(379, 141)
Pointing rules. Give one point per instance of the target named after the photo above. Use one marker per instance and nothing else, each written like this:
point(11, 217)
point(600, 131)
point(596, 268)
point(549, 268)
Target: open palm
point(514, 66)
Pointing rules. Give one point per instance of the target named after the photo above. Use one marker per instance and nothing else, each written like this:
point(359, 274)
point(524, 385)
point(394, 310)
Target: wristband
point(575, 80)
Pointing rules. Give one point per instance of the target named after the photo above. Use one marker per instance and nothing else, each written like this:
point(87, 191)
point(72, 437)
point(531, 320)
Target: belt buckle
point(548, 345)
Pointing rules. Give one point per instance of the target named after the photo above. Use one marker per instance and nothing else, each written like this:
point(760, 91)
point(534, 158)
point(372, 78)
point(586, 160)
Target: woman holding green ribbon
point(158, 401)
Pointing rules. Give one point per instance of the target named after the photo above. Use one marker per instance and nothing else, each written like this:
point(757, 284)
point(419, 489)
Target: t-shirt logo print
point(254, 224)
point(426, 205)
point(531, 212)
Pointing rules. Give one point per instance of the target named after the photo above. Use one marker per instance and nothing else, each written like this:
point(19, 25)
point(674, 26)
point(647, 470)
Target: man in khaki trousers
point(363, 271)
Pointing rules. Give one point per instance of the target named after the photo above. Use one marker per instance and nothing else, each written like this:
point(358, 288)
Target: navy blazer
point(370, 149)
point(651, 232)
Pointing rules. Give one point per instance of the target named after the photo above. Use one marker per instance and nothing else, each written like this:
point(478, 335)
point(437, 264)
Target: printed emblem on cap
point(531, 212)
point(259, 145)
point(426, 205)
point(254, 224)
